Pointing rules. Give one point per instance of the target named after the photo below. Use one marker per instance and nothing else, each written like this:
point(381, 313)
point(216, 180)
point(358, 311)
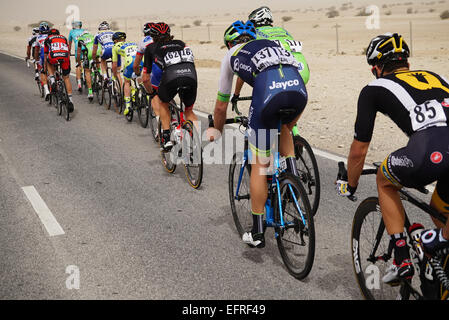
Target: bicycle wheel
point(168, 158)
point(101, 90)
point(371, 253)
point(143, 110)
point(192, 155)
point(64, 101)
point(239, 193)
point(308, 171)
point(153, 121)
point(296, 240)
point(40, 87)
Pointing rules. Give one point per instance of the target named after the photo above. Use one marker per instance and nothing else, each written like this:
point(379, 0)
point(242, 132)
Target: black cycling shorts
point(178, 76)
point(424, 160)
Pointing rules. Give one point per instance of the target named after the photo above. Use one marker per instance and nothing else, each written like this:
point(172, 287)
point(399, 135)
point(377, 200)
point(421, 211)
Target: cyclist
point(273, 73)
point(73, 36)
point(127, 51)
point(30, 45)
point(85, 53)
point(418, 102)
point(176, 61)
point(56, 50)
point(39, 55)
point(103, 38)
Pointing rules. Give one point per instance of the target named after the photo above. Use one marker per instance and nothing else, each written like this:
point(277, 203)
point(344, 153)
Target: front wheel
point(192, 155)
point(372, 254)
point(295, 230)
point(143, 110)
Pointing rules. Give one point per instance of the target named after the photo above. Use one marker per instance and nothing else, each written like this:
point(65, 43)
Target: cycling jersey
point(57, 49)
point(104, 38)
point(86, 44)
point(156, 72)
point(414, 100)
point(32, 40)
point(284, 39)
point(272, 71)
point(39, 43)
point(175, 60)
point(74, 35)
point(127, 51)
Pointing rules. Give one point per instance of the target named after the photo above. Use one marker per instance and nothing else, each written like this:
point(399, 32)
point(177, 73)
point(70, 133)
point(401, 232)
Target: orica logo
point(238, 65)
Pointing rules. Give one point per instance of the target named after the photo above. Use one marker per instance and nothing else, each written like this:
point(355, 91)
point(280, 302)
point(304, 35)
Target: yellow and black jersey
point(414, 100)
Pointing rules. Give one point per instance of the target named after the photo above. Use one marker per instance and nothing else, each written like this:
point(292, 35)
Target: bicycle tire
point(153, 122)
point(369, 218)
point(64, 99)
point(191, 144)
point(167, 158)
point(40, 87)
point(143, 110)
point(297, 263)
point(308, 171)
point(101, 90)
point(241, 202)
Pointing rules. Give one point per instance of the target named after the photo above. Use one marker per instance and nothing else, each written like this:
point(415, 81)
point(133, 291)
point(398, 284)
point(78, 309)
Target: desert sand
point(336, 77)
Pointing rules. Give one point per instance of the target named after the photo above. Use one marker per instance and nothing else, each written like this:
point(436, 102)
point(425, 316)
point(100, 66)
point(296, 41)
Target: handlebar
point(234, 104)
point(240, 119)
point(343, 175)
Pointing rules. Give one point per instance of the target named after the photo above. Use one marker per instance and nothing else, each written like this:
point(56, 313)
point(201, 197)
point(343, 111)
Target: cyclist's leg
point(44, 78)
point(166, 92)
point(189, 98)
point(78, 72)
point(127, 74)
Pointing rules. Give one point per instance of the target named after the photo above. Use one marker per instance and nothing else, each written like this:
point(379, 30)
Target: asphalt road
point(130, 229)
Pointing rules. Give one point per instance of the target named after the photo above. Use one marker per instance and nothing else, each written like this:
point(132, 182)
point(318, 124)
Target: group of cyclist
point(270, 60)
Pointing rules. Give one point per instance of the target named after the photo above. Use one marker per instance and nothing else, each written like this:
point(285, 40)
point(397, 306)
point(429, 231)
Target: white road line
point(43, 212)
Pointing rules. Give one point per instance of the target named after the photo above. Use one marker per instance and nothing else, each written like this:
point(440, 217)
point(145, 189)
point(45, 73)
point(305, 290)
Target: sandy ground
point(336, 79)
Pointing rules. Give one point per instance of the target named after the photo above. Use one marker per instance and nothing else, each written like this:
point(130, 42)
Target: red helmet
point(159, 29)
point(147, 28)
point(53, 32)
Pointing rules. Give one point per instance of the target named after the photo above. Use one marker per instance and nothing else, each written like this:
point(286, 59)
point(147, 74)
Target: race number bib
point(295, 46)
point(175, 57)
point(271, 56)
point(131, 51)
point(428, 114)
point(59, 46)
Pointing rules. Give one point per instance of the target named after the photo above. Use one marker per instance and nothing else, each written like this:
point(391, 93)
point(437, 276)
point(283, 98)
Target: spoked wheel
point(143, 110)
point(239, 195)
point(40, 88)
point(192, 155)
point(168, 158)
point(372, 254)
point(100, 90)
point(296, 239)
point(308, 171)
point(64, 101)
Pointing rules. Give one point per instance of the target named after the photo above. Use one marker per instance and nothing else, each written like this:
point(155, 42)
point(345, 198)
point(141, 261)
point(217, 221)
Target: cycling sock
point(257, 223)
point(70, 98)
point(127, 102)
point(401, 251)
point(291, 165)
point(79, 82)
point(90, 91)
point(166, 135)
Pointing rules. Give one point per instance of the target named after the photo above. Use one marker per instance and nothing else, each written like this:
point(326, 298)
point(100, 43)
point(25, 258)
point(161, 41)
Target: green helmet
point(238, 29)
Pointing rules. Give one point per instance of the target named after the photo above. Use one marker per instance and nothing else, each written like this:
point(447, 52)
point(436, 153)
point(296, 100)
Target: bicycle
point(187, 144)
point(139, 103)
point(97, 83)
point(372, 251)
point(287, 209)
point(305, 162)
point(58, 95)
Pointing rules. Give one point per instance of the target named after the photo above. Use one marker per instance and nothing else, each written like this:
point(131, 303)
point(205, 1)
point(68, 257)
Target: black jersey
point(167, 54)
point(414, 100)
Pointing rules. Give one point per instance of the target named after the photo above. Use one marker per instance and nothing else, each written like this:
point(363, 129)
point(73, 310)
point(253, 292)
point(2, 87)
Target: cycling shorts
point(65, 64)
point(175, 77)
point(128, 69)
point(278, 87)
point(107, 53)
point(424, 160)
point(156, 76)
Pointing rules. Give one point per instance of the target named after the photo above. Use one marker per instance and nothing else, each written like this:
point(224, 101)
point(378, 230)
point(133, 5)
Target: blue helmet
point(44, 28)
point(238, 29)
point(77, 24)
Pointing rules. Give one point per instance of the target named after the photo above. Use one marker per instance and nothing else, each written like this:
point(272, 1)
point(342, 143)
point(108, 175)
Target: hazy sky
point(55, 10)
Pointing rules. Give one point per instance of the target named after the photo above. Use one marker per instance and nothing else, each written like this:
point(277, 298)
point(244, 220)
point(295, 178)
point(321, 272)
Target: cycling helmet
point(44, 28)
point(104, 26)
point(77, 24)
point(147, 28)
point(261, 17)
point(385, 48)
point(35, 31)
point(53, 31)
point(238, 29)
point(159, 29)
point(118, 35)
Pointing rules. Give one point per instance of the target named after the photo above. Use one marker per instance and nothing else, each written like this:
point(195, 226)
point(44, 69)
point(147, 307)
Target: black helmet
point(261, 17)
point(385, 48)
point(118, 35)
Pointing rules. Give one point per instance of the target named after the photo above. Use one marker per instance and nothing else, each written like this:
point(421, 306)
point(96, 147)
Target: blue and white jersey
point(143, 45)
point(105, 39)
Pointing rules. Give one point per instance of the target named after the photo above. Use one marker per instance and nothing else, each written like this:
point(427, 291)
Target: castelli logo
point(445, 103)
point(436, 157)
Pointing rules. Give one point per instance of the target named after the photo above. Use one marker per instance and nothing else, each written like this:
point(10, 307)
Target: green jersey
point(86, 44)
point(284, 39)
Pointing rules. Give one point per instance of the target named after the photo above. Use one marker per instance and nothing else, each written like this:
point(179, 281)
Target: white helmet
point(261, 17)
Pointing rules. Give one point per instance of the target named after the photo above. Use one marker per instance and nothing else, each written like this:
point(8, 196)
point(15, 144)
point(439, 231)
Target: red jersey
point(57, 46)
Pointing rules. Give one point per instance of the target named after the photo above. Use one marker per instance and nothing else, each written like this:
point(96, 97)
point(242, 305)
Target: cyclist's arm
point(356, 161)
point(238, 86)
point(136, 65)
point(28, 52)
point(94, 49)
point(224, 93)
